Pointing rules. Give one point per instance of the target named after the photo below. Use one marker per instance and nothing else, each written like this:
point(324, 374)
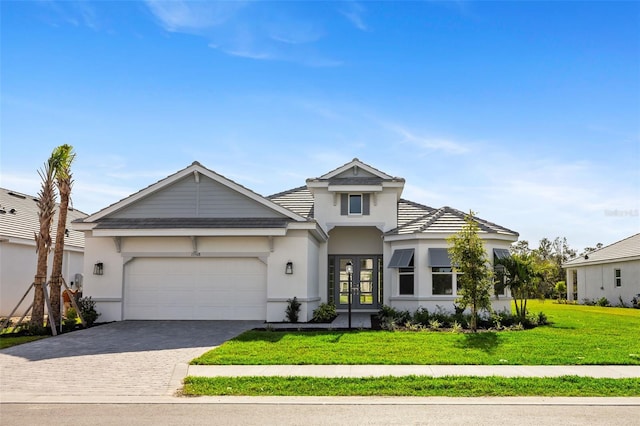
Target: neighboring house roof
point(623, 250)
point(447, 220)
point(19, 219)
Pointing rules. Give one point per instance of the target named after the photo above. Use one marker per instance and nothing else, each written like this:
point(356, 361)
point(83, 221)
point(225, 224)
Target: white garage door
point(195, 289)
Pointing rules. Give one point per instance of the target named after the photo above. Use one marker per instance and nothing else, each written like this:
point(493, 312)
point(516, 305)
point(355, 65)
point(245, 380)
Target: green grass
point(7, 342)
point(579, 335)
point(411, 386)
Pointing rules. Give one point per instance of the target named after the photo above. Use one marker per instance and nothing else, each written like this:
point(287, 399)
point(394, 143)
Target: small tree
point(470, 260)
point(523, 274)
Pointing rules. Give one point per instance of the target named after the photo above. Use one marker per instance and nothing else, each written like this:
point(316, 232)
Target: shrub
point(561, 290)
point(325, 312)
point(603, 301)
point(390, 317)
point(293, 309)
point(421, 316)
point(434, 324)
point(87, 310)
point(71, 318)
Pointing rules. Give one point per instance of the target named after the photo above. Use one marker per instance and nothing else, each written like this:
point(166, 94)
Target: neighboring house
point(612, 272)
point(196, 245)
point(18, 260)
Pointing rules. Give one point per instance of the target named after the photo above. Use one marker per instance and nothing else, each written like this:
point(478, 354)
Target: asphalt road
point(317, 414)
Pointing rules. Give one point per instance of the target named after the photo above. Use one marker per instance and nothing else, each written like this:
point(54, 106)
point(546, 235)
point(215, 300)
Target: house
point(18, 226)
point(197, 245)
point(612, 272)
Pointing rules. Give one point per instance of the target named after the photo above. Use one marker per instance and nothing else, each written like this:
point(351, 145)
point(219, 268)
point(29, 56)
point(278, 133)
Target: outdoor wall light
point(289, 268)
point(98, 268)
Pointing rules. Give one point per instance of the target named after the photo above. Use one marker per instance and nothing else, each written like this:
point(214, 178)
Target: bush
point(422, 316)
point(87, 310)
point(293, 309)
point(603, 301)
point(325, 312)
point(391, 318)
point(561, 290)
point(71, 318)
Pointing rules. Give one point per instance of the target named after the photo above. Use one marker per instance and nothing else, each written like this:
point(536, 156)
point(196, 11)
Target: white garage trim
point(192, 288)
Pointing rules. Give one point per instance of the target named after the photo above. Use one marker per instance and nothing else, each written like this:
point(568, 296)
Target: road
point(194, 413)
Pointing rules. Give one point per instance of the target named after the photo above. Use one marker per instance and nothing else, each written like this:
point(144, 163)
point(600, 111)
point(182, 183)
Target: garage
point(195, 289)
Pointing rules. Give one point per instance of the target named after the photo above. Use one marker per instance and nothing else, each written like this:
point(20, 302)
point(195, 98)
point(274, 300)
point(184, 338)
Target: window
point(442, 281)
point(355, 204)
point(405, 280)
point(402, 259)
point(617, 277)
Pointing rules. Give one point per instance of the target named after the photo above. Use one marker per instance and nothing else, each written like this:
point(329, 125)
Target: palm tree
point(46, 209)
point(64, 156)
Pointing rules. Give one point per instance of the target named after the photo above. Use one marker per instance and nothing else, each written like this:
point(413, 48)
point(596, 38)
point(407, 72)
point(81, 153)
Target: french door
point(365, 281)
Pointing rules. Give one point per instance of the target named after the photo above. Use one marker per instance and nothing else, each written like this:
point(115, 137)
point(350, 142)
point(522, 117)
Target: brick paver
point(129, 358)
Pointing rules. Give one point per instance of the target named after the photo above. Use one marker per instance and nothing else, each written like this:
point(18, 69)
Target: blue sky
point(526, 112)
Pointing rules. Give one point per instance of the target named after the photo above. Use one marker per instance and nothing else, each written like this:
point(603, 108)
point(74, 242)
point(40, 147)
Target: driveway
point(128, 358)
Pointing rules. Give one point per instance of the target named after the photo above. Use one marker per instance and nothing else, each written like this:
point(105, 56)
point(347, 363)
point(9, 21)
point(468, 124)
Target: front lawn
point(412, 386)
point(577, 335)
point(7, 342)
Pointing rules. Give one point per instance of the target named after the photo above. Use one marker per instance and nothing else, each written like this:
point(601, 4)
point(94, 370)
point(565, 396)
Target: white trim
point(300, 299)
point(205, 254)
point(188, 232)
point(570, 265)
point(355, 188)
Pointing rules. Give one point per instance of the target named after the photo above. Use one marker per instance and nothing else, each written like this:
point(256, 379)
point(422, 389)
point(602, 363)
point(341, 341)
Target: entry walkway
point(598, 371)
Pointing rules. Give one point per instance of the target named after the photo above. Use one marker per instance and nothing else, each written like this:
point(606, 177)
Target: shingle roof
point(622, 250)
point(20, 219)
point(412, 217)
point(173, 223)
point(446, 220)
point(298, 200)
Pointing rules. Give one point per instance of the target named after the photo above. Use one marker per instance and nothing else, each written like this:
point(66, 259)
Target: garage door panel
point(202, 288)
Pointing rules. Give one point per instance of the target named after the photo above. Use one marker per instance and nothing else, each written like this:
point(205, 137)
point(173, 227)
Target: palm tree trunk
point(46, 208)
point(56, 273)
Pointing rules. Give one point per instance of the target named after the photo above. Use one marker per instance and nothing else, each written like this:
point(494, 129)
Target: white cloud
point(193, 16)
point(353, 11)
point(253, 30)
point(428, 142)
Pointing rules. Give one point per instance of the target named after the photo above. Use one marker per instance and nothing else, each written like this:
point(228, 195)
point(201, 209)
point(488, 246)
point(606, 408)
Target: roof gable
point(355, 169)
point(194, 192)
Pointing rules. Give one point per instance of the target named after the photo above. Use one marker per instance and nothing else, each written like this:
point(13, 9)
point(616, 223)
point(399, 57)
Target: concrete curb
point(316, 400)
point(596, 371)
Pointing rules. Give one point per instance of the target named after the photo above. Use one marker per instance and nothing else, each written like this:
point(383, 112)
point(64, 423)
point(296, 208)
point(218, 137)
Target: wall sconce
point(98, 268)
point(289, 268)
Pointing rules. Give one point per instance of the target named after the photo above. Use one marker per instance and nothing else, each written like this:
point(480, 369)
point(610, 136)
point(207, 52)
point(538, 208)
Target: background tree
point(522, 274)
point(46, 209)
point(64, 156)
point(470, 260)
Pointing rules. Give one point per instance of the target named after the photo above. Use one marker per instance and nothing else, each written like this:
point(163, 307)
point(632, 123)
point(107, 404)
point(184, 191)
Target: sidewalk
point(598, 371)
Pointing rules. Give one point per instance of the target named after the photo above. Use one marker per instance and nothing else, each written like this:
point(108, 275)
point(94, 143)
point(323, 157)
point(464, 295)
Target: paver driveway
point(128, 358)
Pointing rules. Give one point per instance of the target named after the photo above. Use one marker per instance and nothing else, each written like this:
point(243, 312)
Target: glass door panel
point(364, 282)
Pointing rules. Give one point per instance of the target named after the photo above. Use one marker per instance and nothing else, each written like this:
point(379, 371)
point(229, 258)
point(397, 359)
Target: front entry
point(365, 281)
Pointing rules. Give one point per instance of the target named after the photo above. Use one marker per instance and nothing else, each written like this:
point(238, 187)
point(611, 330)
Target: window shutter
point(365, 204)
point(344, 204)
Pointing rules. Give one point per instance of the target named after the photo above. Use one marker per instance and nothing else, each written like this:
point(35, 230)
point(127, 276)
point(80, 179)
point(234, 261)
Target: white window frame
point(454, 280)
point(617, 277)
point(349, 212)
